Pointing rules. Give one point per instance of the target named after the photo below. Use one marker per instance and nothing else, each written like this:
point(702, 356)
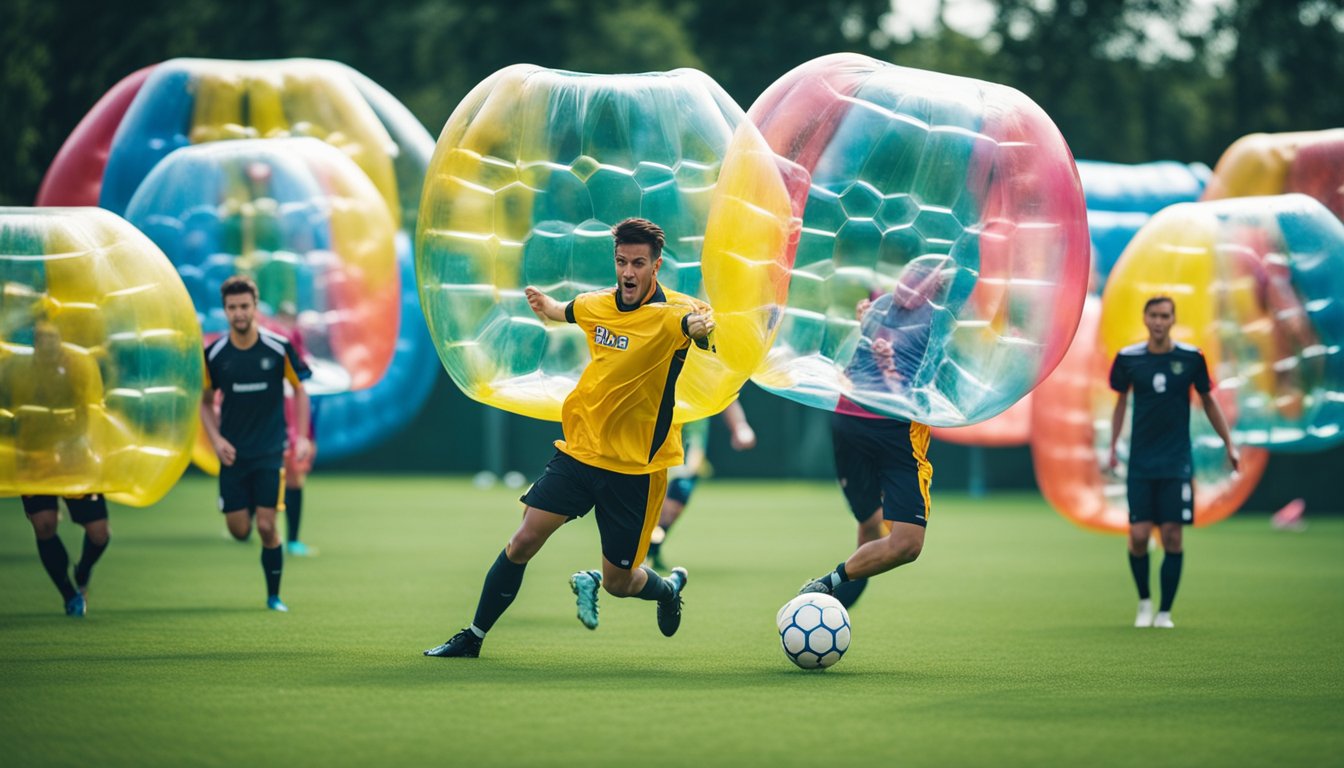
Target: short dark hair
point(637, 231)
point(237, 284)
point(1160, 300)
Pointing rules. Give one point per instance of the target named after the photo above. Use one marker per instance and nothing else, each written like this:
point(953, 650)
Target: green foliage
point(1006, 644)
point(1266, 65)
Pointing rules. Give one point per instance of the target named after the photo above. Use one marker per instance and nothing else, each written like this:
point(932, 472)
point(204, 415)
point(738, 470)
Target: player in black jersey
point(249, 366)
point(1161, 372)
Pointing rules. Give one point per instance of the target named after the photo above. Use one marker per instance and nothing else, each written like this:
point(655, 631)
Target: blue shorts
point(878, 465)
point(251, 483)
point(1160, 500)
point(83, 509)
point(627, 505)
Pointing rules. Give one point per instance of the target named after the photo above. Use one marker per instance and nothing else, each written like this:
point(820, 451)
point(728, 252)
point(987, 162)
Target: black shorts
point(1160, 500)
point(83, 509)
point(251, 483)
point(627, 505)
point(680, 489)
point(880, 464)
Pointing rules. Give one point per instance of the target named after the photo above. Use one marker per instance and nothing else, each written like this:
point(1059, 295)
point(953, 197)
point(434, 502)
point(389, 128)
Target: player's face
point(46, 342)
point(1159, 318)
point(241, 310)
point(636, 269)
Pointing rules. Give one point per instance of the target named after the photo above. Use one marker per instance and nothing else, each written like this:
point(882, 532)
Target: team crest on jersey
point(606, 338)
point(267, 363)
point(1177, 366)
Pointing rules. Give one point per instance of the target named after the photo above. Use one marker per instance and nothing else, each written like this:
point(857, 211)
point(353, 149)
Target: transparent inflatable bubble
point(955, 201)
point(182, 101)
point(1274, 163)
point(1070, 444)
point(1258, 284)
point(305, 223)
point(530, 173)
point(100, 358)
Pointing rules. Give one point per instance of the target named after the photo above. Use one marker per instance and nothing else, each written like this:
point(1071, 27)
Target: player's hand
point(743, 438)
point(1114, 460)
point(303, 448)
point(862, 308)
point(1234, 457)
point(226, 452)
point(538, 301)
point(699, 326)
point(883, 348)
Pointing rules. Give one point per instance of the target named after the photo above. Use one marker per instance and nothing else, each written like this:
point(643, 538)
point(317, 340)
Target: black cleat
point(669, 611)
point(464, 644)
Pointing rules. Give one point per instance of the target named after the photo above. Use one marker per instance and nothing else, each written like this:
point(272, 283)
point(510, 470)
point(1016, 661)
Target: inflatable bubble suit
point(100, 358)
point(182, 102)
point(956, 204)
point(1261, 281)
point(1311, 162)
point(303, 221)
point(530, 173)
point(1121, 198)
point(1071, 432)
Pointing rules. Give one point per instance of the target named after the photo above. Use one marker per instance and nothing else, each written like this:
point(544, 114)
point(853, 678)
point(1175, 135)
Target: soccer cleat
point(464, 644)
point(669, 610)
point(821, 584)
point(1163, 620)
point(273, 602)
point(585, 584)
point(75, 606)
point(299, 549)
point(1144, 618)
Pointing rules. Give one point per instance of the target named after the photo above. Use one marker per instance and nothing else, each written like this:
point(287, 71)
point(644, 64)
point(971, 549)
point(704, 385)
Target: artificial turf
point(1008, 643)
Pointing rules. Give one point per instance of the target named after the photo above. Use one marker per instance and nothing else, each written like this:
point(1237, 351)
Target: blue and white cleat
point(585, 585)
point(75, 606)
point(299, 549)
point(274, 603)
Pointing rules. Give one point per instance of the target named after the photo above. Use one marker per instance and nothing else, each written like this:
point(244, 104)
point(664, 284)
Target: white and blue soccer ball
point(813, 630)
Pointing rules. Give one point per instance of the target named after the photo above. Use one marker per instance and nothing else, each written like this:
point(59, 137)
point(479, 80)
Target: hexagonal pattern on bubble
point(958, 200)
point(530, 173)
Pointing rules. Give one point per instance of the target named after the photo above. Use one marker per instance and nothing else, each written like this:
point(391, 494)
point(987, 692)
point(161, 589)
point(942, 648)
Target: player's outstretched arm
point(1219, 424)
point(545, 307)
point(1117, 424)
point(742, 437)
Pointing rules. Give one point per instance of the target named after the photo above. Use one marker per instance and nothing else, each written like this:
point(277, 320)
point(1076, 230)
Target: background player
point(619, 436)
point(249, 366)
point(1161, 372)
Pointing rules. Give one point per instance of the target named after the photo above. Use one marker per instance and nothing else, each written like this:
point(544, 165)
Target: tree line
point(1118, 89)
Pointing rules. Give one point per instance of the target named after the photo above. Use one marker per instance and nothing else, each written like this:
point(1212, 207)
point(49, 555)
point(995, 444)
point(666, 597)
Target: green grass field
point(1006, 644)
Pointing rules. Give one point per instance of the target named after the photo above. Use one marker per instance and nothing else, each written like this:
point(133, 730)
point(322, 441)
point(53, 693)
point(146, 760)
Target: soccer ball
point(813, 630)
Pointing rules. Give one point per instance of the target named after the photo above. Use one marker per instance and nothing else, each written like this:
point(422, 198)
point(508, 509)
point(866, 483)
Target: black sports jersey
point(1160, 434)
point(252, 415)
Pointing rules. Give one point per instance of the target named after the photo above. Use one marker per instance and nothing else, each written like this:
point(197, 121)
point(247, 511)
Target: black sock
point(848, 592)
point(57, 562)
point(837, 577)
point(1139, 567)
point(272, 564)
point(656, 588)
point(293, 512)
point(501, 586)
point(87, 558)
point(654, 546)
point(1171, 578)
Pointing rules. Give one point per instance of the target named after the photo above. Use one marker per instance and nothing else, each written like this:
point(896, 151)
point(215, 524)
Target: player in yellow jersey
point(619, 436)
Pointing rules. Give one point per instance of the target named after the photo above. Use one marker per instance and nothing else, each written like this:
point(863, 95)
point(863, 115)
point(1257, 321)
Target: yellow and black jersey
point(252, 416)
point(619, 416)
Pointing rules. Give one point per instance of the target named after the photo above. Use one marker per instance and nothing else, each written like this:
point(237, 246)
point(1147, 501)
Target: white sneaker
point(1144, 618)
point(1163, 620)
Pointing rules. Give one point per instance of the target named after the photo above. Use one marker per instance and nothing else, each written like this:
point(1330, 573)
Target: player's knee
point(619, 583)
point(44, 528)
point(265, 527)
point(903, 549)
point(524, 546)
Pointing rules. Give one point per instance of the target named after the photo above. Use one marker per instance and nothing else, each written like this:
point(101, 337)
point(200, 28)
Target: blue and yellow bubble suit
point(1259, 286)
point(302, 219)
point(100, 358)
point(530, 173)
point(955, 207)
